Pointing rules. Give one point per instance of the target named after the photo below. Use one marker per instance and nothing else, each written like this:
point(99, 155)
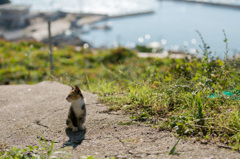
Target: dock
point(39, 32)
point(34, 25)
point(90, 19)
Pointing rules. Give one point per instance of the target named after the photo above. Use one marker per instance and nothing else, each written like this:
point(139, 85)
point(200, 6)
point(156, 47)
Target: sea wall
point(212, 3)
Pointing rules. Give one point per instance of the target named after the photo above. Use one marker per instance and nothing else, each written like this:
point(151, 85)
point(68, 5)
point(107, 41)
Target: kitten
point(77, 110)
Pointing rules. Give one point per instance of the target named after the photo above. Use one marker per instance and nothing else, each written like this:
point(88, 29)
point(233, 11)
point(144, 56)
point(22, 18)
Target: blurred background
point(162, 24)
point(157, 60)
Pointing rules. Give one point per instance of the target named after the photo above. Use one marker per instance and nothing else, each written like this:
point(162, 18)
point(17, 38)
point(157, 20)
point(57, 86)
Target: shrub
point(119, 55)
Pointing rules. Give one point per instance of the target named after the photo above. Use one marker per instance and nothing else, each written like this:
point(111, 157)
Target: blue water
point(174, 24)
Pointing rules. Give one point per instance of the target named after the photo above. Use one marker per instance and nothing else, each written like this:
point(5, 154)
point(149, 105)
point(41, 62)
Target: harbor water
point(173, 23)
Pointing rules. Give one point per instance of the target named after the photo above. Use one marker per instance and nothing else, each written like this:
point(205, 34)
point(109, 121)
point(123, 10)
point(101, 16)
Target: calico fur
point(77, 111)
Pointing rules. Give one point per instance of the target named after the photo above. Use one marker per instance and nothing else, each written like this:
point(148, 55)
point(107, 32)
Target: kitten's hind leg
point(80, 122)
point(70, 125)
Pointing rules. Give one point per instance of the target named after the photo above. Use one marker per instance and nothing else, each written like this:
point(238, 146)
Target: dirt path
point(28, 110)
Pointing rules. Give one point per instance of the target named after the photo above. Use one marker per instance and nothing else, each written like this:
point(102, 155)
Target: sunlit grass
point(197, 97)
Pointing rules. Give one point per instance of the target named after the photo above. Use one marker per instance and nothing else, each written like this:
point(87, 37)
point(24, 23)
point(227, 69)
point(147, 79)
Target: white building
point(14, 16)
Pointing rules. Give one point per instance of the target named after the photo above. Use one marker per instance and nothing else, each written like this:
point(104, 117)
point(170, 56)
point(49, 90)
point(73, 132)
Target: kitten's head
point(74, 94)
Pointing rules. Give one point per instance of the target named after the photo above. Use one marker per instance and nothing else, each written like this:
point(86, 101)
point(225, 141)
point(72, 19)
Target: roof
point(14, 7)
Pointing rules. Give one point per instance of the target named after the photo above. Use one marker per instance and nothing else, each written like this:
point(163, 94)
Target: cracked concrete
point(29, 112)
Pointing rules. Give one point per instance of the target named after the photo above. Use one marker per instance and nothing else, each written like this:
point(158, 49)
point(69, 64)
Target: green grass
point(45, 151)
point(197, 98)
point(172, 151)
point(180, 95)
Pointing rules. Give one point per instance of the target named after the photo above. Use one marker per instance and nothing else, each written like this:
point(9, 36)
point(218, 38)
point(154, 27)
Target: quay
point(18, 22)
point(90, 19)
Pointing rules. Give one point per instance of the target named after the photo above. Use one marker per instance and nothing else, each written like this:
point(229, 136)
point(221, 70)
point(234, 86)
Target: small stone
point(204, 142)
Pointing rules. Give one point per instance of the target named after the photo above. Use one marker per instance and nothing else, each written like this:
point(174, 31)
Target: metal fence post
point(50, 47)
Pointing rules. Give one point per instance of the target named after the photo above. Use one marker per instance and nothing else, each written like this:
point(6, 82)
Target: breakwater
point(215, 3)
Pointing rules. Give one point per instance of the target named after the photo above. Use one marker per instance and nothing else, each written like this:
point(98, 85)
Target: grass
point(180, 95)
point(35, 152)
point(172, 151)
point(186, 97)
point(45, 151)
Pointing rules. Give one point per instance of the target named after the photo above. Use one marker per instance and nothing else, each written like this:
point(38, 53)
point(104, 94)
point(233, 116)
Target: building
point(14, 16)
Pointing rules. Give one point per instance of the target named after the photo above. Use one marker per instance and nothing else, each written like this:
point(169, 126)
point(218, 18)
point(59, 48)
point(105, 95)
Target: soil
point(27, 111)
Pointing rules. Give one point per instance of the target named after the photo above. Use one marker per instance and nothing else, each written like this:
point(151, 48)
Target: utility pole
point(50, 47)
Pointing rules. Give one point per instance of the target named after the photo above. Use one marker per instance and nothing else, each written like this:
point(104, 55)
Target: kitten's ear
point(72, 87)
point(77, 89)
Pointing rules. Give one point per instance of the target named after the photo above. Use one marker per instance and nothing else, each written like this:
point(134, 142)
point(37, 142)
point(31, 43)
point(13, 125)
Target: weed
point(172, 151)
point(33, 152)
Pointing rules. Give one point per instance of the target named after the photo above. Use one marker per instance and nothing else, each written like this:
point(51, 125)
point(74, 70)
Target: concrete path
point(26, 111)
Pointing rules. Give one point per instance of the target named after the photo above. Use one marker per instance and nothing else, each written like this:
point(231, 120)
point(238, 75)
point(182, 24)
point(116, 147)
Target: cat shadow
point(75, 138)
